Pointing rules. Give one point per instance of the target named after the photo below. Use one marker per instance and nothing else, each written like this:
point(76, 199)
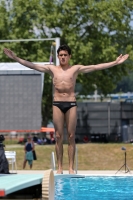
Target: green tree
point(19, 21)
point(125, 85)
point(96, 30)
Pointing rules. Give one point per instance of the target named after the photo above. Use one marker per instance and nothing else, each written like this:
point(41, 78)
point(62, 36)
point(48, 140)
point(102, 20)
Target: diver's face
point(64, 57)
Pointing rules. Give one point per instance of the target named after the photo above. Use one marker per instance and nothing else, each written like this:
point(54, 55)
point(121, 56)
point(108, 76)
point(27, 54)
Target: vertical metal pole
point(52, 161)
point(12, 164)
point(108, 119)
point(125, 161)
point(121, 130)
point(57, 40)
point(76, 159)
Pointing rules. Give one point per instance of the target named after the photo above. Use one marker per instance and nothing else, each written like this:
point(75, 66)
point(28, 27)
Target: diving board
point(25, 185)
point(14, 182)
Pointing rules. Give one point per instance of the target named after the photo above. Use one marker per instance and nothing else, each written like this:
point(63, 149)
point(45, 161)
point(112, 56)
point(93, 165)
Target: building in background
point(20, 97)
point(105, 121)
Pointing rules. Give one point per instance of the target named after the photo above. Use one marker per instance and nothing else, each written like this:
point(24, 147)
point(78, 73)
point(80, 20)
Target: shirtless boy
point(64, 100)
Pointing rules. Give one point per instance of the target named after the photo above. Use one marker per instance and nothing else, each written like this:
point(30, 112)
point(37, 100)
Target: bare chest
point(64, 76)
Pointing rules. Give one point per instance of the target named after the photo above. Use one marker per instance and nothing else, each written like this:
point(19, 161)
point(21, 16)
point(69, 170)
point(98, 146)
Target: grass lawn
point(91, 156)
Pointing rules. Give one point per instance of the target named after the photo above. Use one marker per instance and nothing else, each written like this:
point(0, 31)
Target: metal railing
point(53, 161)
point(53, 167)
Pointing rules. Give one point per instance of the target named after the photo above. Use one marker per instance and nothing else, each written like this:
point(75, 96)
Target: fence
point(102, 121)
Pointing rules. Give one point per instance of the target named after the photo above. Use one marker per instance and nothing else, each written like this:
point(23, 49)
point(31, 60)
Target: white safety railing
point(57, 42)
point(53, 161)
point(76, 160)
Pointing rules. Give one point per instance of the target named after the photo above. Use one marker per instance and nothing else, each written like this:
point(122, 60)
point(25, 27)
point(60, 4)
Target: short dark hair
point(64, 47)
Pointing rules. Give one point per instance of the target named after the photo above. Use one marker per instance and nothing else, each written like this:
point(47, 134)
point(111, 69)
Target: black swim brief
point(64, 106)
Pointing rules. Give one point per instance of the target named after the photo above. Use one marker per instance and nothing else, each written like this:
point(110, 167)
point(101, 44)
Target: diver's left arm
point(90, 68)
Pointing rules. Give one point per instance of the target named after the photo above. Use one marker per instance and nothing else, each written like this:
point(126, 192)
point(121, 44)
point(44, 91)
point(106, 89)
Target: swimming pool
point(94, 188)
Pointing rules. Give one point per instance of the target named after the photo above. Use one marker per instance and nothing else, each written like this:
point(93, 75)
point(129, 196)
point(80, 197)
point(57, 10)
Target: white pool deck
point(89, 172)
point(83, 172)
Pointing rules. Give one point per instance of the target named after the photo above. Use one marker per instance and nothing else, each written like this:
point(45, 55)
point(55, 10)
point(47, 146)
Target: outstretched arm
point(90, 68)
point(38, 67)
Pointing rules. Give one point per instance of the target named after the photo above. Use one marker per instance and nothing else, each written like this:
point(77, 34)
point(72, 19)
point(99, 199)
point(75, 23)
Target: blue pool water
point(94, 188)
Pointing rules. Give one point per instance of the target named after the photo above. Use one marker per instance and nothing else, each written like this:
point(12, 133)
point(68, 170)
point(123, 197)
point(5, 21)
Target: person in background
point(85, 139)
point(35, 139)
point(29, 148)
point(52, 137)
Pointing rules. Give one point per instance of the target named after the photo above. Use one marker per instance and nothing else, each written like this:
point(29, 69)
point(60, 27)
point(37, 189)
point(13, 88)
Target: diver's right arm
point(38, 67)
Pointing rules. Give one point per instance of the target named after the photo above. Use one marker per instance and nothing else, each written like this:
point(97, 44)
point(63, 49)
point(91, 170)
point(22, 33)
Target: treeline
point(97, 31)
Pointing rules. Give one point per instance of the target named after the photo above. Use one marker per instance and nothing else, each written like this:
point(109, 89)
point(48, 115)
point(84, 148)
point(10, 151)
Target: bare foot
point(71, 171)
point(59, 171)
